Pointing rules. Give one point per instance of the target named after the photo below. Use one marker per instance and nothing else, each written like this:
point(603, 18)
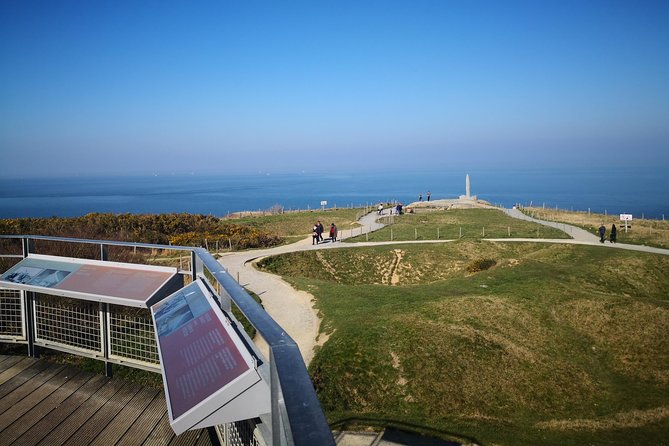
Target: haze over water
point(636, 191)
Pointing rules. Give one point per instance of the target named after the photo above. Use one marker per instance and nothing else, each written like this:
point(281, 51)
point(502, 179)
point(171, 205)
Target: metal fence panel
point(240, 433)
point(12, 325)
point(69, 324)
point(132, 338)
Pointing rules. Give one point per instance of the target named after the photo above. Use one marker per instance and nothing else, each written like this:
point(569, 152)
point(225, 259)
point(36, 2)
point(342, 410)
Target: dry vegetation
point(640, 231)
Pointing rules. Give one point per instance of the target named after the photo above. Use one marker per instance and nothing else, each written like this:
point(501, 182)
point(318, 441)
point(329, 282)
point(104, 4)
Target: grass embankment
point(447, 225)
point(552, 345)
point(640, 231)
point(293, 226)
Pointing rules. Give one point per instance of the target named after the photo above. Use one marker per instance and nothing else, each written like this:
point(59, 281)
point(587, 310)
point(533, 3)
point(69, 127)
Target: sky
point(127, 87)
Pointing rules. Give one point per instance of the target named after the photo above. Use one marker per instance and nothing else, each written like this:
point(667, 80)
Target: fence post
point(438, 235)
point(415, 230)
point(508, 228)
point(28, 245)
point(460, 231)
point(29, 305)
point(104, 320)
point(484, 232)
point(391, 234)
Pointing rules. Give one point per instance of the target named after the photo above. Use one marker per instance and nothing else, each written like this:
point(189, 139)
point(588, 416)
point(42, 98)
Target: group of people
point(317, 233)
point(397, 209)
point(612, 235)
point(420, 196)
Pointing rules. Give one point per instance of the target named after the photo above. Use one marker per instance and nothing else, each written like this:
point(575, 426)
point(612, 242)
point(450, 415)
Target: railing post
point(278, 435)
point(104, 322)
point(29, 305)
point(193, 265)
point(28, 245)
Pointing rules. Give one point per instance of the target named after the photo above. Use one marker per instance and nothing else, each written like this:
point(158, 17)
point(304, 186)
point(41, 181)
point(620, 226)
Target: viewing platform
point(45, 404)
point(174, 321)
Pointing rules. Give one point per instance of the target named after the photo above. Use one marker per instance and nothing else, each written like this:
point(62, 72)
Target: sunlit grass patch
point(503, 355)
point(293, 226)
point(459, 223)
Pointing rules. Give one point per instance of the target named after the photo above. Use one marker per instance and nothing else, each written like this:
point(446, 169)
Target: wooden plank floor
point(49, 404)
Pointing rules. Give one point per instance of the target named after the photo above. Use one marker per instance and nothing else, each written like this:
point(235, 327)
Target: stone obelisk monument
point(468, 191)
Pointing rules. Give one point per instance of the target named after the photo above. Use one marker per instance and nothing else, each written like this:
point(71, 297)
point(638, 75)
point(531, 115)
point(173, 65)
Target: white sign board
point(324, 203)
point(625, 217)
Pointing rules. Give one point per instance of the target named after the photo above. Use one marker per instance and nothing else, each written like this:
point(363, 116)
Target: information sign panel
point(625, 217)
point(111, 282)
point(205, 364)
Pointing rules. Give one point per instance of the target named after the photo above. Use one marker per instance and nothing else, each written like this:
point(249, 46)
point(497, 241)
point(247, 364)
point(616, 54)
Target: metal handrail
point(307, 424)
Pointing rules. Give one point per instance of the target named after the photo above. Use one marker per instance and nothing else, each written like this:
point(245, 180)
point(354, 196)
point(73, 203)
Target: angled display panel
point(209, 375)
point(111, 282)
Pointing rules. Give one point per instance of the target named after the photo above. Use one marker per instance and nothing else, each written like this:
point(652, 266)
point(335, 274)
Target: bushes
point(178, 229)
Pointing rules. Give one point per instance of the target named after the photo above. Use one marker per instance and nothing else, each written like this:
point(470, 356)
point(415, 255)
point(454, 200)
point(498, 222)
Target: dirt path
point(293, 310)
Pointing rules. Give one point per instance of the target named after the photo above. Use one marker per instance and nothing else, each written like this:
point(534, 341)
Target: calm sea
point(615, 191)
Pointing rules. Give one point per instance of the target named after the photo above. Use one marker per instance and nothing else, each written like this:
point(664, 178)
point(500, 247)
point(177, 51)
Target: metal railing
point(126, 337)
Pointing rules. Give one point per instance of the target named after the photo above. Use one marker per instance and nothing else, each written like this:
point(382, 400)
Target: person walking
point(333, 232)
point(320, 230)
point(428, 195)
point(380, 209)
point(614, 233)
point(314, 235)
point(420, 197)
point(602, 233)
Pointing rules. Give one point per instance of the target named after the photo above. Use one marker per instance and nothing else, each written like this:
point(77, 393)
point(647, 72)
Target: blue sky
point(96, 87)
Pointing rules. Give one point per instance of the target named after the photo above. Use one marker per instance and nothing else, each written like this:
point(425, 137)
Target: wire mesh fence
point(68, 323)
point(132, 336)
point(11, 315)
point(240, 433)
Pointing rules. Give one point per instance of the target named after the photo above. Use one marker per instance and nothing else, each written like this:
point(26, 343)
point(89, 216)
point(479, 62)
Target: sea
point(640, 192)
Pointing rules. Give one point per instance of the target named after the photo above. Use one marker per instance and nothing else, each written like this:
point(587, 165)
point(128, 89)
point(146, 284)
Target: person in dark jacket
point(602, 233)
point(333, 232)
point(320, 231)
point(614, 233)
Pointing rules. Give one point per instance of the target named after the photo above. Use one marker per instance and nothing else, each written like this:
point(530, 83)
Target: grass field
point(640, 231)
point(292, 226)
point(452, 224)
point(552, 345)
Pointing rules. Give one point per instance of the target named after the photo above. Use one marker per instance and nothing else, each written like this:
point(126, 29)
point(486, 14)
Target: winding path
point(293, 310)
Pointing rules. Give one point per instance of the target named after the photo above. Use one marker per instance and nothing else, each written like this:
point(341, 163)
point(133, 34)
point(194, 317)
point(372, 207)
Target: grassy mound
point(553, 345)
point(297, 225)
point(459, 223)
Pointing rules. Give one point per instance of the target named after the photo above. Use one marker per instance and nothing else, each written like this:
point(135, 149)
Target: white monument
point(468, 191)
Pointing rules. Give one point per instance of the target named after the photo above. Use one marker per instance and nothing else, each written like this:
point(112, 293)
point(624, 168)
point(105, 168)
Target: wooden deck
point(49, 404)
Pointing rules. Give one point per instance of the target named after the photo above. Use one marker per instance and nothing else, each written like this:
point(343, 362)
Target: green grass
point(640, 232)
point(293, 226)
point(552, 345)
point(447, 225)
